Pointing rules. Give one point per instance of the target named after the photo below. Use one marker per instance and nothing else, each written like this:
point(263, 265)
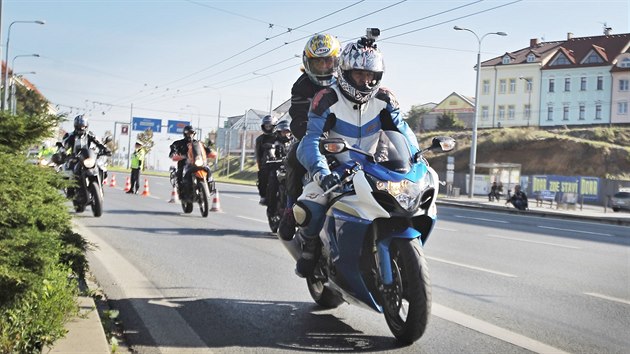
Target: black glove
point(107, 152)
point(329, 181)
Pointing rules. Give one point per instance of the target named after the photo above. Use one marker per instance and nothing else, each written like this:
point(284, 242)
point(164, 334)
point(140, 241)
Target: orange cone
point(216, 204)
point(146, 193)
point(174, 197)
point(113, 182)
point(127, 184)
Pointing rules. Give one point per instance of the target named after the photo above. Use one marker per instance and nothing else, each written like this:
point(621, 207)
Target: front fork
point(381, 248)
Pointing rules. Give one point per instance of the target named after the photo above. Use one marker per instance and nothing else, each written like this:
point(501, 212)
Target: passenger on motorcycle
point(264, 144)
point(179, 152)
point(320, 59)
point(355, 109)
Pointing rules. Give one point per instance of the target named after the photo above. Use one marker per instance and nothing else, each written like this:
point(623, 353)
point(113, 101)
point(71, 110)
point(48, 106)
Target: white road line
point(445, 229)
point(531, 241)
point(230, 196)
point(252, 219)
point(491, 330)
point(578, 231)
point(610, 298)
point(482, 219)
point(472, 267)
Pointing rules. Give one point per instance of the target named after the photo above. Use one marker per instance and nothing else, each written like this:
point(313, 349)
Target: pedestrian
point(493, 192)
point(137, 164)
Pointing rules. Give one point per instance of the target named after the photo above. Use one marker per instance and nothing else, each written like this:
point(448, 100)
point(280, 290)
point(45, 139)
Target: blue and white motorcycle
point(377, 222)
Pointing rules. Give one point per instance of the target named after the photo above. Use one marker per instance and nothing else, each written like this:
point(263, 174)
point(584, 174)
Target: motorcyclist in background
point(356, 109)
point(264, 144)
point(320, 59)
point(81, 137)
point(179, 151)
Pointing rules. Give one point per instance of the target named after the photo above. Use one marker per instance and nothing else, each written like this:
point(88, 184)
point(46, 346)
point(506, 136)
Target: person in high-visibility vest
point(137, 163)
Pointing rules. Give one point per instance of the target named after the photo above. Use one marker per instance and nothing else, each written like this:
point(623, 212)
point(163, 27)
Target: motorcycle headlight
point(199, 162)
point(89, 162)
point(409, 195)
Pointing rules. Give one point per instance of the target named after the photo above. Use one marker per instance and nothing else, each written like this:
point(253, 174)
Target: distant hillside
point(597, 152)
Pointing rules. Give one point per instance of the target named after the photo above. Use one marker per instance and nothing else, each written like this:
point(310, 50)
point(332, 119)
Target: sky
point(178, 59)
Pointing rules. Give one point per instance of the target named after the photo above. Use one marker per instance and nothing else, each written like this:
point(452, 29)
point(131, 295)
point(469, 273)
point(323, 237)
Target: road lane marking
point(578, 231)
point(445, 229)
point(536, 242)
point(225, 194)
point(252, 219)
point(482, 219)
point(472, 267)
point(610, 298)
point(489, 329)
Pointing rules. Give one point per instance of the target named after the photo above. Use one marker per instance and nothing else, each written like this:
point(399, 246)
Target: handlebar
point(347, 176)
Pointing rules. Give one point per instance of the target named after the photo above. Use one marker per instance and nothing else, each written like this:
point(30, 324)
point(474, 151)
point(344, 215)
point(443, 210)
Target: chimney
point(607, 30)
point(533, 43)
point(569, 36)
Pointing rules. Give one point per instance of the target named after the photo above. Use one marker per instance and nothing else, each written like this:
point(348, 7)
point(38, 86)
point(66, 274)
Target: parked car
point(620, 201)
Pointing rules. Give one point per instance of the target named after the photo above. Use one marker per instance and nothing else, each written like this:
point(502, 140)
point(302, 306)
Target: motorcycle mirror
point(107, 139)
point(332, 146)
point(59, 144)
point(444, 143)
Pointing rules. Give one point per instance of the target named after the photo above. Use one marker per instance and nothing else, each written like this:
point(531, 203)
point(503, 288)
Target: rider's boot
point(286, 228)
point(305, 265)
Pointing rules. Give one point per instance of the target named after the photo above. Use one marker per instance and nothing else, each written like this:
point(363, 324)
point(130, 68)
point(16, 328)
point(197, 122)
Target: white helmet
point(363, 56)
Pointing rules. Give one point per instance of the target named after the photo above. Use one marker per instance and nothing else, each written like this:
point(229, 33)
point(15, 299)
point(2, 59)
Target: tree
point(448, 121)
point(29, 101)
point(146, 138)
point(415, 115)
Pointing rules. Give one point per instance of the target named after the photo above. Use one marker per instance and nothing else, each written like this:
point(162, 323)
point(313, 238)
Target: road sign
point(124, 130)
point(176, 126)
point(142, 124)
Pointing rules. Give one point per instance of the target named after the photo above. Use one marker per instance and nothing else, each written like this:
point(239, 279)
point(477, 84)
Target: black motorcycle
point(86, 167)
point(276, 193)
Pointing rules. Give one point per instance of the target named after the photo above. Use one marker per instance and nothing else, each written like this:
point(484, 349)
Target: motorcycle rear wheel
point(204, 196)
point(97, 199)
point(407, 303)
point(322, 294)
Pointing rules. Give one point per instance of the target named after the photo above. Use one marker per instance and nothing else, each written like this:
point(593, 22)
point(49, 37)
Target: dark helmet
point(189, 131)
point(268, 124)
point(80, 124)
point(283, 126)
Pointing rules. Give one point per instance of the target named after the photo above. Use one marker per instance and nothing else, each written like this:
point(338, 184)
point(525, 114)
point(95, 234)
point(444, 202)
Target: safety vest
point(137, 158)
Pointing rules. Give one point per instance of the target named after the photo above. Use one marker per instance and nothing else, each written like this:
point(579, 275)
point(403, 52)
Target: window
point(531, 58)
point(549, 113)
point(625, 63)
point(600, 83)
point(582, 111)
point(565, 112)
point(567, 84)
point(484, 113)
point(527, 111)
point(511, 112)
point(583, 83)
point(592, 58)
point(623, 85)
point(598, 111)
point(512, 85)
point(622, 108)
point(528, 84)
point(485, 87)
point(551, 85)
point(560, 60)
point(506, 59)
point(502, 86)
point(501, 112)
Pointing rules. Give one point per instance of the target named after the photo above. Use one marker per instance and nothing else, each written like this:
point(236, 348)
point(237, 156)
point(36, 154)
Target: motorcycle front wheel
point(204, 196)
point(407, 302)
point(97, 199)
point(187, 207)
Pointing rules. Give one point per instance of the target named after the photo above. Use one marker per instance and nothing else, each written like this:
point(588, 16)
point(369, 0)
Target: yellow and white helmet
point(321, 58)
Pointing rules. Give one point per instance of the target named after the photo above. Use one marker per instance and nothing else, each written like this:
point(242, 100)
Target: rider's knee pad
point(301, 213)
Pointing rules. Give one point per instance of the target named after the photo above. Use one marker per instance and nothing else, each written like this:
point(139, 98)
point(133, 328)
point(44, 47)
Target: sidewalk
point(585, 212)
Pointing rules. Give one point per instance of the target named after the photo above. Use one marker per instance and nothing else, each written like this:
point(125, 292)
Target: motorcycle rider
point(356, 109)
point(264, 144)
point(320, 59)
point(279, 151)
point(179, 152)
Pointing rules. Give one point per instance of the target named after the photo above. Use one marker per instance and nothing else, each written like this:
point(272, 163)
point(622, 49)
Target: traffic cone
point(127, 184)
point(146, 193)
point(216, 204)
point(174, 197)
point(113, 182)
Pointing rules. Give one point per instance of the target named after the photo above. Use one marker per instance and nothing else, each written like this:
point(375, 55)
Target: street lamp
point(13, 96)
point(12, 84)
point(198, 118)
point(529, 104)
point(473, 147)
point(219, 113)
point(271, 97)
point(5, 77)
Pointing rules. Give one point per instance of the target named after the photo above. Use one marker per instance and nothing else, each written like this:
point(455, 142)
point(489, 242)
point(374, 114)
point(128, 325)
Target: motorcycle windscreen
point(393, 152)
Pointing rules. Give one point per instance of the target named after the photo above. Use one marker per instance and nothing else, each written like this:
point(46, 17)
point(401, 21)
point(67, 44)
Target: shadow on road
point(195, 232)
point(234, 323)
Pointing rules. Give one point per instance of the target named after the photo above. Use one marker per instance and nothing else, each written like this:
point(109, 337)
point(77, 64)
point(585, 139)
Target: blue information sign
point(142, 124)
point(176, 126)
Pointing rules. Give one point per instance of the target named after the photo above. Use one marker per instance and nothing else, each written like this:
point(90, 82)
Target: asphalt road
point(502, 283)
